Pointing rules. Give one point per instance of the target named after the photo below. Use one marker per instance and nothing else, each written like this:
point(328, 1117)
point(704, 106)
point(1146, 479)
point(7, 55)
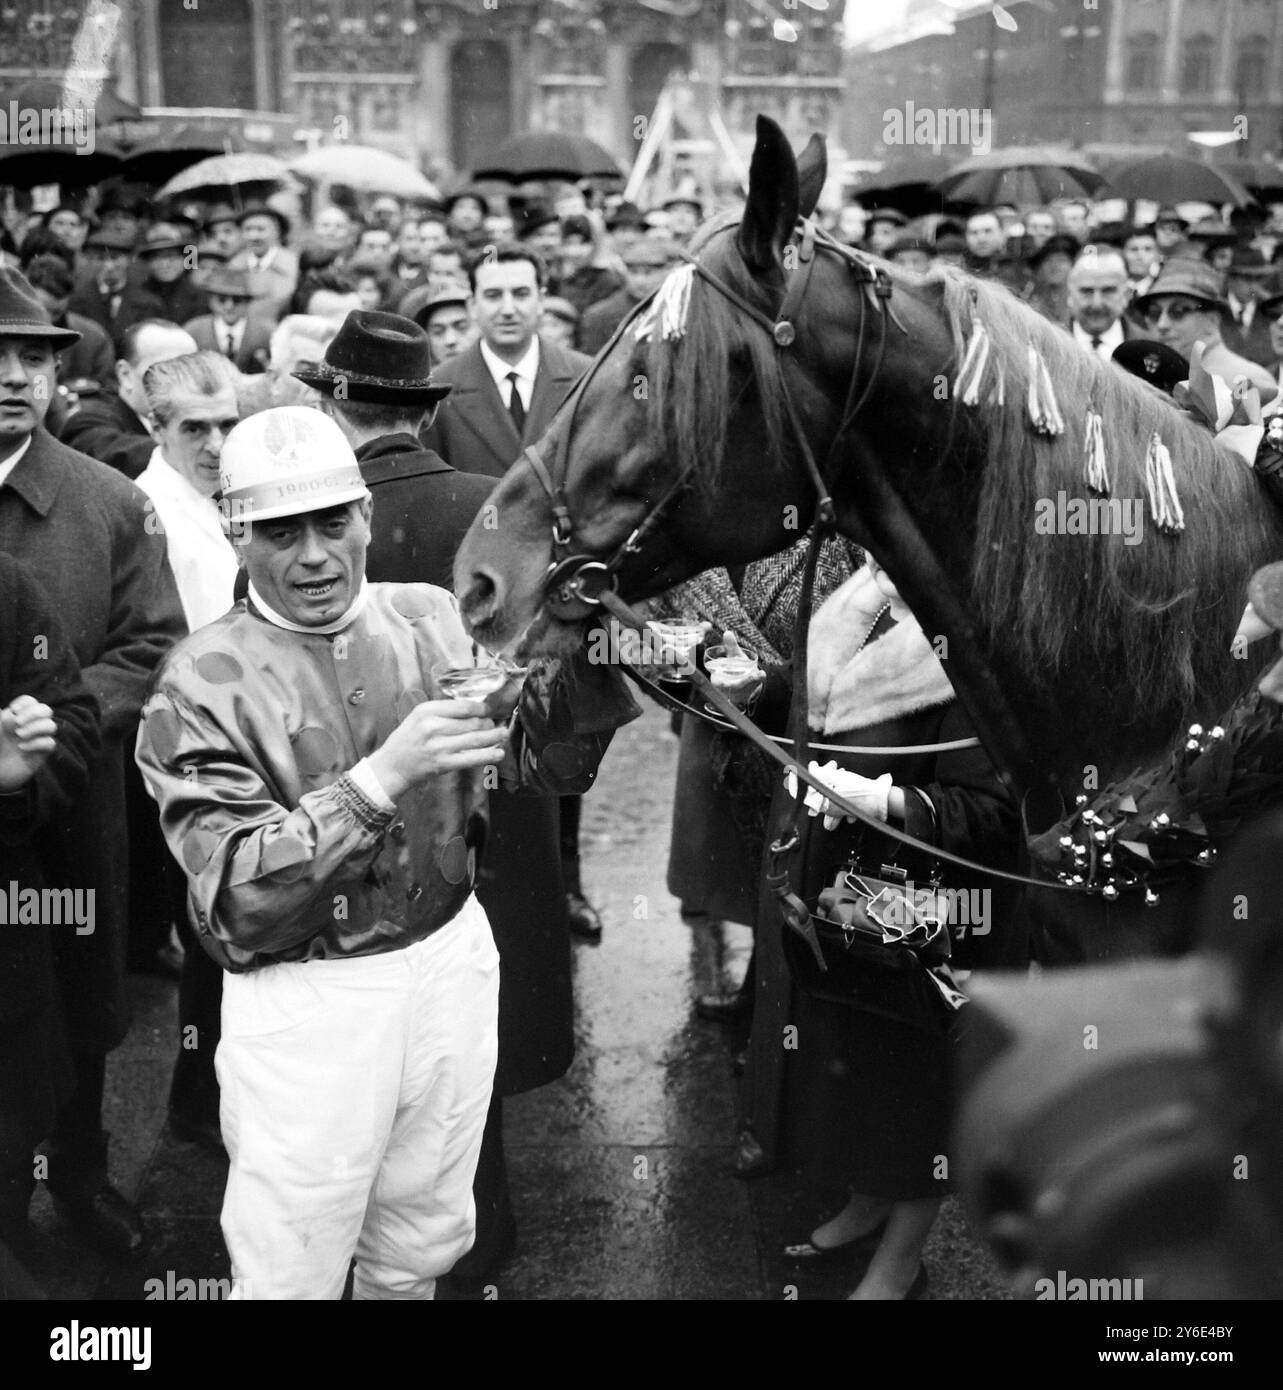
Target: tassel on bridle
point(1044, 412)
point(1095, 469)
point(966, 386)
point(1164, 504)
point(668, 310)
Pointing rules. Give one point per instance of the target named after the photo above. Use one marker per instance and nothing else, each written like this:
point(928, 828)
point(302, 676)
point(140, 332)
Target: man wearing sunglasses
point(1187, 306)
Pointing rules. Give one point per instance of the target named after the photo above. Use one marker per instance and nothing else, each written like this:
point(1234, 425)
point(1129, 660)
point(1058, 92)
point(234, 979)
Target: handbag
point(880, 944)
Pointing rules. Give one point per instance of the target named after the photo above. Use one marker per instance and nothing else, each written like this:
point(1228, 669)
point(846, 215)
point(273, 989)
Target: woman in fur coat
point(861, 1103)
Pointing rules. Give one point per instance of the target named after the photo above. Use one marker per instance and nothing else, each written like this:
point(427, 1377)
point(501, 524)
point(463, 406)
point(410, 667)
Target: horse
point(942, 417)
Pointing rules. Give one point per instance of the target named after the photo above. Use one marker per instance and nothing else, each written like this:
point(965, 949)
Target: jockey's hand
point(28, 735)
point(867, 794)
point(435, 738)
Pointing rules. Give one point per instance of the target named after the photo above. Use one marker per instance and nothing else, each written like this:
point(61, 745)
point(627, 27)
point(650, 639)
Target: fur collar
point(852, 686)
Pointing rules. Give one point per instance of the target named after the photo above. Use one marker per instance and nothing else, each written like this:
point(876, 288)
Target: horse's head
point(684, 410)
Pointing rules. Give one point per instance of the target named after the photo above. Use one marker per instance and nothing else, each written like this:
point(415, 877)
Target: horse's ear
point(771, 212)
point(812, 170)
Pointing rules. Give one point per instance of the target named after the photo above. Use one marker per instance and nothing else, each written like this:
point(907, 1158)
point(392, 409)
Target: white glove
point(868, 793)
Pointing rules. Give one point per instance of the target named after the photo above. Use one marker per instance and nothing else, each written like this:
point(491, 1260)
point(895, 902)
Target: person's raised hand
point(435, 738)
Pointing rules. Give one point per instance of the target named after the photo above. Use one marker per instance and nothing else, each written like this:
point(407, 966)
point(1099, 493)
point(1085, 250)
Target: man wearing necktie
point(1096, 295)
point(227, 329)
point(107, 297)
point(507, 387)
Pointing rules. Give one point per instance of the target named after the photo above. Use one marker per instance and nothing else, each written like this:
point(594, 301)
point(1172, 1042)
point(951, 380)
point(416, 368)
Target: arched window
point(1250, 68)
point(1142, 63)
point(1196, 71)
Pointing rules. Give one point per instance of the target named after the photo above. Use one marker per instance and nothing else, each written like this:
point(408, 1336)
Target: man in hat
point(1051, 264)
point(1247, 333)
point(111, 427)
point(82, 531)
point(886, 226)
point(685, 213)
point(106, 296)
point(582, 282)
point(465, 214)
point(910, 253)
point(164, 253)
point(223, 230)
point(1186, 307)
point(539, 228)
point(272, 266)
point(330, 843)
point(1270, 309)
point(1170, 229)
point(440, 308)
point(646, 262)
point(227, 328)
point(559, 322)
point(92, 358)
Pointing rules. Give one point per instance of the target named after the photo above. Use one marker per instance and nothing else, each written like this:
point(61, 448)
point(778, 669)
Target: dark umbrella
point(25, 166)
point(176, 147)
point(1021, 175)
point(1175, 178)
point(548, 154)
point(1256, 175)
point(907, 184)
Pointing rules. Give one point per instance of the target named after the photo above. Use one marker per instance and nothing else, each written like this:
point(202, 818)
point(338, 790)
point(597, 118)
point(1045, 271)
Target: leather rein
point(578, 585)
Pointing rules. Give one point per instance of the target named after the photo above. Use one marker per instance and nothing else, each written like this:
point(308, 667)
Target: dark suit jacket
point(106, 429)
point(256, 341)
point(82, 530)
point(422, 509)
point(91, 357)
point(1254, 344)
point(473, 431)
point(135, 305)
point(599, 322)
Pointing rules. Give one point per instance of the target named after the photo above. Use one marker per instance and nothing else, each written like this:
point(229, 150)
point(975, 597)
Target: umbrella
point(177, 146)
point(25, 166)
point(1021, 176)
point(906, 184)
point(1256, 175)
point(548, 154)
point(366, 169)
point(1175, 178)
point(216, 177)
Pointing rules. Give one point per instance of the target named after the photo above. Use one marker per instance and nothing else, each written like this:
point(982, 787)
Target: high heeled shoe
point(808, 1253)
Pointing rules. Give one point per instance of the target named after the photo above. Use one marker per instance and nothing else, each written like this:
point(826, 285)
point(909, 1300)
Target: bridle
point(576, 585)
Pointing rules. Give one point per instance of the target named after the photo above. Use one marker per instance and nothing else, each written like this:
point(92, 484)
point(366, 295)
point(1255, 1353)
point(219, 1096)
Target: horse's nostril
point(481, 598)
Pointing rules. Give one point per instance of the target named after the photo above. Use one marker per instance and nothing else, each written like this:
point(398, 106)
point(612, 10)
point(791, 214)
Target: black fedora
point(380, 358)
point(22, 315)
point(263, 210)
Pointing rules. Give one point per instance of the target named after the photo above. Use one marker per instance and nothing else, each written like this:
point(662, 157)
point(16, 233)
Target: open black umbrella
point(1175, 178)
point(177, 146)
point(1021, 176)
point(548, 154)
point(1259, 176)
point(906, 184)
point(27, 166)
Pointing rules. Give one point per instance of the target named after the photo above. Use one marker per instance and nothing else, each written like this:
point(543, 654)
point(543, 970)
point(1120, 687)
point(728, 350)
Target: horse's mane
point(688, 379)
point(1157, 615)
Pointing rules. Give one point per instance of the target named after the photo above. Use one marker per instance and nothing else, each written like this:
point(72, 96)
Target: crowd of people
point(232, 738)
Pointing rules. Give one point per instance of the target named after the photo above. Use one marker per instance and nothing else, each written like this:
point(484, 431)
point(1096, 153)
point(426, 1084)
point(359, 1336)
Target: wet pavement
point(621, 1173)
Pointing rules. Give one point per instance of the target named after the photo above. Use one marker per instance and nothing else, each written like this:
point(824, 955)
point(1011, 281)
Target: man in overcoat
point(82, 531)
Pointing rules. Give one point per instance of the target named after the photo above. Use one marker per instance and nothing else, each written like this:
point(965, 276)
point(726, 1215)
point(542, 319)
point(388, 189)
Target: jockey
point(328, 812)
